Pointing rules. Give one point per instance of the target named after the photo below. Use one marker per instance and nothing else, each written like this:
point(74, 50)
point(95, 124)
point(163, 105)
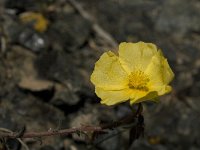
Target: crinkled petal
point(164, 89)
point(140, 96)
point(136, 55)
point(108, 73)
point(160, 74)
point(113, 97)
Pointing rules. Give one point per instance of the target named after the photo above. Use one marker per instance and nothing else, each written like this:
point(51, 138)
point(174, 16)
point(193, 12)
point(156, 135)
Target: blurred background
point(47, 52)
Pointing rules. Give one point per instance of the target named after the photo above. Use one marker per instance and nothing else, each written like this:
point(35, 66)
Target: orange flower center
point(138, 80)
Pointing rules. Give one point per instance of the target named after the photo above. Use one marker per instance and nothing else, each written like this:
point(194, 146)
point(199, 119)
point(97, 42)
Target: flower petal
point(113, 97)
point(136, 55)
point(160, 74)
point(140, 96)
point(164, 89)
point(108, 73)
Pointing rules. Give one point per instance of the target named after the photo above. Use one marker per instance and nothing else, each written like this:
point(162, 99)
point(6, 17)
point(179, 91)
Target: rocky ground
point(45, 68)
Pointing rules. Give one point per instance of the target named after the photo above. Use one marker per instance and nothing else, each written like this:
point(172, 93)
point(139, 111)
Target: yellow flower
point(139, 73)
point(40, 23)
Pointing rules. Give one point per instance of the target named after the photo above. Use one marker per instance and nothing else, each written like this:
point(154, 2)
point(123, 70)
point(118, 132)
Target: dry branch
point(86, 129)
point(96, 27)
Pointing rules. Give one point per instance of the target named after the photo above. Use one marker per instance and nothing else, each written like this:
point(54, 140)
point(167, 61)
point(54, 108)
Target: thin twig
point(84, 129)
point(96, 27)
point(22, 142)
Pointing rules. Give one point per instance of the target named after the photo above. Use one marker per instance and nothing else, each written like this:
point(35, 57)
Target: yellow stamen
point(138, 80)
